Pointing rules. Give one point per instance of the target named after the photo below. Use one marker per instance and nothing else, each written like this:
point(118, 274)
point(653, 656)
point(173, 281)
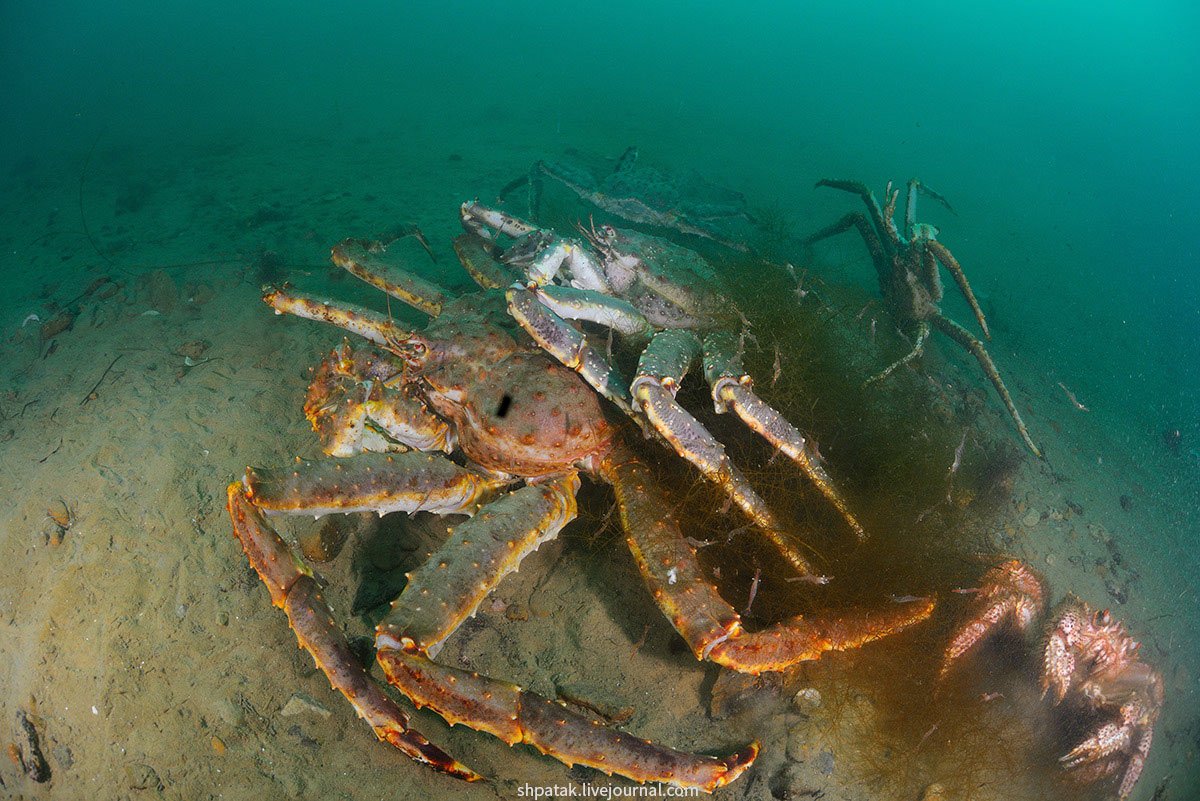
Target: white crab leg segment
point(709, 625)
point(370, 482)
point(448, 588)
point(294, 590)
point(570, 303)
point(367, 324)
point(662, 366)
point(567, 344)
point(733, 389)
point(481, 221)
point(423, 295)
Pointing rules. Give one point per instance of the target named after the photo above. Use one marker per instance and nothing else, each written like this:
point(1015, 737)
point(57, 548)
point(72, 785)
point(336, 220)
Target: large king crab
point(647, 288)
point(642, 195)
point(907, 266)
point(1089, 661)
point(459, 418)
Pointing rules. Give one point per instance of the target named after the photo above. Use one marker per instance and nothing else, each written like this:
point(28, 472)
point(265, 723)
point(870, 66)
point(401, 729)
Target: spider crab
point(1089, 661)
point(907, 265)
point(648, 289)
point(643, 196)
point(460, 418)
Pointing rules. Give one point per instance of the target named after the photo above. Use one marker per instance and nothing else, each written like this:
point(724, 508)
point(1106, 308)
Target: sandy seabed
point(143, 651)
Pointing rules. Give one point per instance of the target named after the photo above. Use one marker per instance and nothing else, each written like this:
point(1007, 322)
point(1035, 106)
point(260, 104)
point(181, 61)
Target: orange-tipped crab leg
point(516, 715)
point(294, 590)
point(370, 325)
point(660, 370)
point(709, 625)
point(370, 482)
point(448, 589)
point(733, 389)
point(422, 295)
point(476, 260)
point(450, 585)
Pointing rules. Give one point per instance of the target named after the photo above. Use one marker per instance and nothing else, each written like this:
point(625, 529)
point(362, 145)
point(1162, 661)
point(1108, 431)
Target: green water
point(1066, 136)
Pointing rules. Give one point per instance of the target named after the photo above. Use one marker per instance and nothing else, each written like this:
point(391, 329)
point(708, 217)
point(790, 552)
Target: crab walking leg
point(370, 482)
point(917, 350)
point(476, 260)
point(733, 389)
point(482, 221)
point(709, 625)
point(964, 337)
point(852, 220)
point(516, 715)
point(294, 591)
point(660, 370)
point(594, 306)
point(422, 295)
point(448, 589)
point(567, 344)
point(370, 325)
point(946, 258)
point(883, 224)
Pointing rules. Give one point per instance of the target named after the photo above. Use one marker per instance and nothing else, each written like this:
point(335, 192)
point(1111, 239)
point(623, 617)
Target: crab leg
point(917, 349)
point(370, 482)
point(660, 370)
point(422, 295)
point(294, 590)
point(946, 258)
point(733, 389)
point(476, 260)
point(516, 715)
point(370, 325)
point(567, 344)
point(481, 221)
point(709, 625)
point(450, 585)
point(964, 337)
point(883, 224)
point(594, 306)
point(448, 589)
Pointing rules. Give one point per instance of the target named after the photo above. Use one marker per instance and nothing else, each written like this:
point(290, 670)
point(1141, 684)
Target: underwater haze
point(161, 162)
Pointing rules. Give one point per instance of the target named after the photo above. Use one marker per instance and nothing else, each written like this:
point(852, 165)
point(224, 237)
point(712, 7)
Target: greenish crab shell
point(672, 286)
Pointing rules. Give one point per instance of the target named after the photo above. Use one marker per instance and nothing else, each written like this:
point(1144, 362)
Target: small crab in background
point(907, 265)
point(1089, 664)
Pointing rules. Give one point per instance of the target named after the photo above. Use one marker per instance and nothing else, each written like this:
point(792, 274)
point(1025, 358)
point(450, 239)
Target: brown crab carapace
point(459, 418)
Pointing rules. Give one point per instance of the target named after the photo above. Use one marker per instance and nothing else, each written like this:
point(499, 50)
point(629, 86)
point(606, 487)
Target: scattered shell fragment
point(218, 745)
point(60, 513)
point(1032, 519)
point(516, 611)
point(806, 700)
point(934, 792)
point(300, 705)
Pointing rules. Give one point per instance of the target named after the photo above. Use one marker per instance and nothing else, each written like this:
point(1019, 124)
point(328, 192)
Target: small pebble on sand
point(1030, 520)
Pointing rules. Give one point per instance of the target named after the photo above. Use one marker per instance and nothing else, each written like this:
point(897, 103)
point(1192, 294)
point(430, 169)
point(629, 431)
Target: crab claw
point(1058, 663)
point(1010, 595)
